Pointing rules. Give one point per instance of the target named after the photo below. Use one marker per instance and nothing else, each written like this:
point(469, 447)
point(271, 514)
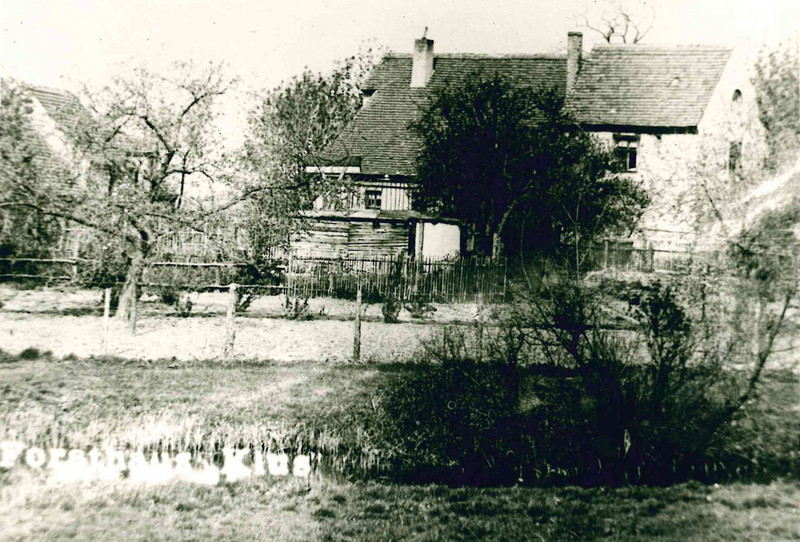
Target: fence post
point(106, 318)
point(651, 253)
point(230, 329)
point(289, 263)
point(134, 310)
point(357, 327)
point(605, 253)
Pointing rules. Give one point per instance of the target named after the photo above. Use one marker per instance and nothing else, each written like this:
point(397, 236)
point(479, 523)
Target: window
point(372, 199)
point(737, 95)
point(735, 157)
point(626, 150)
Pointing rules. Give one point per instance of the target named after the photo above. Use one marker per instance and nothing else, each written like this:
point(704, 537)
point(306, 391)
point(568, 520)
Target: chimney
point(574, 52)
point(422, 64)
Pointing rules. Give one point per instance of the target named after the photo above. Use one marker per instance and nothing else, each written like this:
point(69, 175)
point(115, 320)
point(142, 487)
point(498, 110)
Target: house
point(684, 121)
point(378, 151)
point(678, 116)
point(44, 144)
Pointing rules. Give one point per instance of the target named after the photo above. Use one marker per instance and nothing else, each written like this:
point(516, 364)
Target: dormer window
point(366, 96)
point(627, 150)
point(737, 95)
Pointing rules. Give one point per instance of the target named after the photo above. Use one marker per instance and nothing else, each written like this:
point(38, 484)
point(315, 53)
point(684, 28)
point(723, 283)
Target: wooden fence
point(306, 275)
point(623, 256)
point(458, 280)
point(41, 269)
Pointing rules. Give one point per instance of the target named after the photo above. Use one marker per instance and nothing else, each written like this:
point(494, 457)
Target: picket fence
point(303, 274)
point(457, 280)
point(465, 279)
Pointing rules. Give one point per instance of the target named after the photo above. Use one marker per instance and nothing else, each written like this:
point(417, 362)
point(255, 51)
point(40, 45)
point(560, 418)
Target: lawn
point(162, 386)
point(283, 510)
point(80, 402)
point(70, 322)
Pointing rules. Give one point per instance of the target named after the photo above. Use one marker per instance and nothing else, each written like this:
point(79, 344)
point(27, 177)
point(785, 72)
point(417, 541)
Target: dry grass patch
point(287, 510)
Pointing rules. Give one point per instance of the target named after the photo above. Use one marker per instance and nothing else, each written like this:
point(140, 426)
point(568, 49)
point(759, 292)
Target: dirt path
point(190, 339)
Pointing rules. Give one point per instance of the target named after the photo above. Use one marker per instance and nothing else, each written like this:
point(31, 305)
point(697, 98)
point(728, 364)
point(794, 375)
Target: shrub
point(658, 403)
point(31, 353)
point(169, 295)
point(260, 272)
point(458, 419)
point(296, 308)
point(391, 310)
point(419, 307)
point(183, 305)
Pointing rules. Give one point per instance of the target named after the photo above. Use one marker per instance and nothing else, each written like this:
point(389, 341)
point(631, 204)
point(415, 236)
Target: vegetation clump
point(391, 310)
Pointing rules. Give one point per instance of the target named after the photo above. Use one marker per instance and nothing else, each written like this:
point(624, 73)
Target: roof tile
point(380, 134)
point(635, 85)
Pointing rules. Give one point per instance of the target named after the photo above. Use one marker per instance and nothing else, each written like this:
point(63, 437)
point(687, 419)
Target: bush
point(419, 307)
point(258, 273)
point(169, 295)
point(183, 305)
point(33, 353)
point(459, 420)
point(296, 309)
point(391, 310)
point(656, 404)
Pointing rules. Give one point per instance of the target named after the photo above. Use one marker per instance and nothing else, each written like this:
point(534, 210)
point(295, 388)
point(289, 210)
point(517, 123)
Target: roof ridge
point(50, 90)
point(487, 56)
point(669, 47)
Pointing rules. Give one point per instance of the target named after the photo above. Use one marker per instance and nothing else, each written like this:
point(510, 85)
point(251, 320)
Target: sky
point(63, 43)
point(60, 43)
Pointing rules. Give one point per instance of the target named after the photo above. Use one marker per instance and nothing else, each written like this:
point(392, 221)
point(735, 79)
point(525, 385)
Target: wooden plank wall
point(323, 236)
point(377, 238)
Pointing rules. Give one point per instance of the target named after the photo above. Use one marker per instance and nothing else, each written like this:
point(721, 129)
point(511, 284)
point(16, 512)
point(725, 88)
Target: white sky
point(61, 43)
point(56, 42)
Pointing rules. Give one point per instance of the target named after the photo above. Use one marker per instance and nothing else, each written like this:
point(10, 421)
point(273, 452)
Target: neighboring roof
point(644, 86)
point(74, 118)
point(379, 134)
point(62, 106)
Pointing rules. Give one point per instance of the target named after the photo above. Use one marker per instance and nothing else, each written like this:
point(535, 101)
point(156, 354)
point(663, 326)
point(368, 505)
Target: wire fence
point(308, 275)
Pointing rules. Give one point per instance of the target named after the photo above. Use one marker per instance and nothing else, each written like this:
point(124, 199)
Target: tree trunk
point(129, 296)
point(497, 246)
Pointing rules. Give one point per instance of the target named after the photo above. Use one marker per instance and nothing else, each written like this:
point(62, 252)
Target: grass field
point(158, 388)
point(283, 510)
point(80, 402)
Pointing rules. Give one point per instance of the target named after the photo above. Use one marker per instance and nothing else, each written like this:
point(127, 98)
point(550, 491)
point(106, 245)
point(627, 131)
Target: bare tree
point(619, 22)
point(137, 146)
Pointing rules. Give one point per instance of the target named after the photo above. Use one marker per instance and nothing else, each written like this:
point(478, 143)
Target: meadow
point(80, 399)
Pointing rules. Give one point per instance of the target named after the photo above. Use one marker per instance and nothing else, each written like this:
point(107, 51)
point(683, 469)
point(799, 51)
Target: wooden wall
point(342, 237)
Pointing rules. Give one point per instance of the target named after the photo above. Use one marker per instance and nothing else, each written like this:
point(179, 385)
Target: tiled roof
point(619, 85)
point(635, 85)
point(380, 135)
point(48, 165)
point(62, 106)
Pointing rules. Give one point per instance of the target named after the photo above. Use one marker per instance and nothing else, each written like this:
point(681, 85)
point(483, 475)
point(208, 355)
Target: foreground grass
point(283, 510)
point(80, 403)
point(83, 402)
point(332, 408)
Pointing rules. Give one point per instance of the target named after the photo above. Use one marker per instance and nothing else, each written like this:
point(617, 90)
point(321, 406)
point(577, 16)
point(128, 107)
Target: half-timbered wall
point(393, 196)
